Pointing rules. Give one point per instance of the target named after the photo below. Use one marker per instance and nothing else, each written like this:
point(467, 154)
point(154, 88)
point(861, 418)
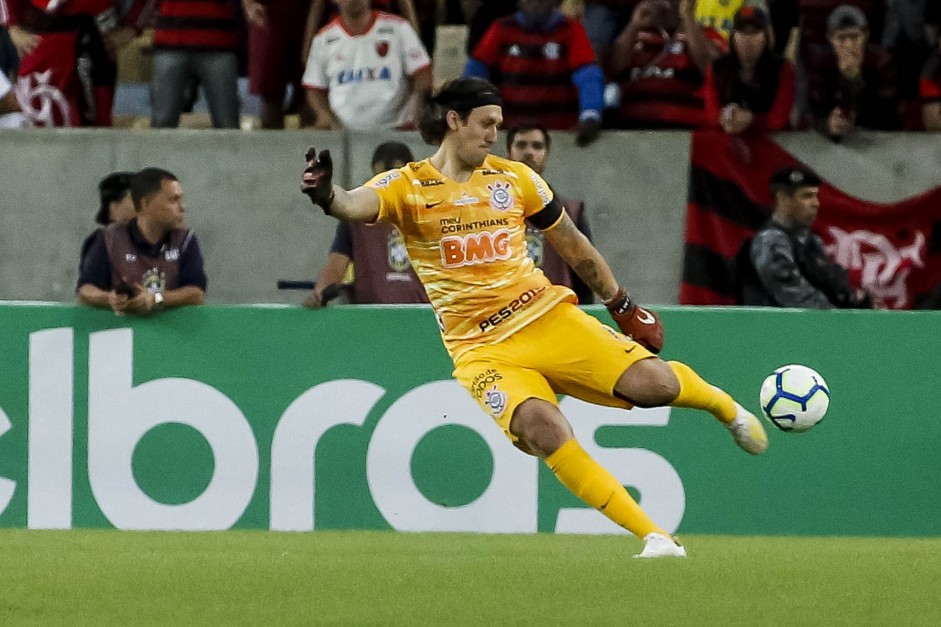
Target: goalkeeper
point(517, 340)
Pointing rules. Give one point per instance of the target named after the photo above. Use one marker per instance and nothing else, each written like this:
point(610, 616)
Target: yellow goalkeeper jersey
point(467, 244)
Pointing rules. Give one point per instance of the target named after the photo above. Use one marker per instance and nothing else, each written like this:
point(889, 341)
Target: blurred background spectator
point(907, 37)
point(480, 15)
point(114, 205)
point(855, 85)
point(193, 40)
point(603, 20)
point(659, 62)
point(10, 115)
point(543, 64)
point(366, 70)
point(275, 58)
point(322, 12)
point(750, 88)
point(67, 66)
point(930, 90)
point(530, 144)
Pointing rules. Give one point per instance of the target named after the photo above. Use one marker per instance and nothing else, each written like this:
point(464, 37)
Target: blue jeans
point(603, 24)
point(217, 73)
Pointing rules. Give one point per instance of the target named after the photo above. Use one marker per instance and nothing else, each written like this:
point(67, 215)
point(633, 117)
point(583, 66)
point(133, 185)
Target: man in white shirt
point(366, 70)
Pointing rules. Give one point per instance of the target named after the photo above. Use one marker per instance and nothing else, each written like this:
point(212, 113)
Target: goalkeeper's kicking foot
point(748, 432)
point(660, 545)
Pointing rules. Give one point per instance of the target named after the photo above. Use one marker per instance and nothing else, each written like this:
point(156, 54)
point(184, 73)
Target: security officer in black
point(784, 263)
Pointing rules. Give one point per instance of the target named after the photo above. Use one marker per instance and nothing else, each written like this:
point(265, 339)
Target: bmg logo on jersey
point(475, 248)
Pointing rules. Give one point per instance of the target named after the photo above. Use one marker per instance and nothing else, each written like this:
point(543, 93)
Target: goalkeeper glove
point(317, 182)
point(639, 324)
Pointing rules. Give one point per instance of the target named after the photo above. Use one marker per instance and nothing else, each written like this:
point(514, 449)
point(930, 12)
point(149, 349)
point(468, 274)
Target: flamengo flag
point(891, 250)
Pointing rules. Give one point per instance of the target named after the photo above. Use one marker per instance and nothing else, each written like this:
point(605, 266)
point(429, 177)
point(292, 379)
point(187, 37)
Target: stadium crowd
point(583, 65)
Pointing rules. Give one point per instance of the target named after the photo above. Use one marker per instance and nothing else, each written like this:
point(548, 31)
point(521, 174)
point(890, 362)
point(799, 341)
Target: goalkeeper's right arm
point(358, 205)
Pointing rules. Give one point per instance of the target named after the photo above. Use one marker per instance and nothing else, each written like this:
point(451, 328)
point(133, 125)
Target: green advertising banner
point(347, 418)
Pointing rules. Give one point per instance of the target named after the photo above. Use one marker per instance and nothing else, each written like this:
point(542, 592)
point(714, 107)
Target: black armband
point(548, 215)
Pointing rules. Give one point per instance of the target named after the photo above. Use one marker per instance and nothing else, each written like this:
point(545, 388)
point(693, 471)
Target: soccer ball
point(794, 398)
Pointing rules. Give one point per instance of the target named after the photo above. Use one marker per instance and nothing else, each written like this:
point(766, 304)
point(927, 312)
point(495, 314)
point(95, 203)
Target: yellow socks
point(590, 482)
point(695, 393)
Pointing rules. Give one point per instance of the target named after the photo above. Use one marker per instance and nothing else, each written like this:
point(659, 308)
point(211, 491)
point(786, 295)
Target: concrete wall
point(243, 202)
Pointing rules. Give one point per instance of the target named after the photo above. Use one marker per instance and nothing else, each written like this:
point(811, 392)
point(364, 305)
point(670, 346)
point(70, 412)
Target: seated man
point(854, 86)
point(150, 262)
point(784, 263)
point(371, 258)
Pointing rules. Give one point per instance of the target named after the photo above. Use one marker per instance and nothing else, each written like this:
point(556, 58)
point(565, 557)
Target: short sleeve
point(580, 50)
point(536, 193)
point(94, 265)
point(488, 50)
point(315, 74)
point(192, 273)
point(414, 53)
point(393, 189)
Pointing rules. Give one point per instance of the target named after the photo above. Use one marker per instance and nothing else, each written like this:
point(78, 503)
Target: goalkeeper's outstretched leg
point(655, 383)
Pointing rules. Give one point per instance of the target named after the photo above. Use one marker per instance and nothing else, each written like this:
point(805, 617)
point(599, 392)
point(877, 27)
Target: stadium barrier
point(242, 198)
point(347, 418)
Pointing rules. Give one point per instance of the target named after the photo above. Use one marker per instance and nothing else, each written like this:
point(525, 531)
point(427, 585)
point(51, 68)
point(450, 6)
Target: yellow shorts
point(565, 351)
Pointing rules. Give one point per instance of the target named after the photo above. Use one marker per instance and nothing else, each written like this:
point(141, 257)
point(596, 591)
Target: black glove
point(317, 182)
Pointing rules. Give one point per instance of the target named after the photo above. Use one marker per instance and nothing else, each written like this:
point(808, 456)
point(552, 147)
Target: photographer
point(150, 262)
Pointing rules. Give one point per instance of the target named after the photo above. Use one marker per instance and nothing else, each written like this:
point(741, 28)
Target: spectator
point(366, 70)
point(659, 62)
point(530, 144)
point(10, 116)
point(323, 12)
point(480, 15)
point(855, 86)
point(193, 40)
point(813, 43)
point(275, 59)
point(381, 271)
point(906, 37)
point(114, 205)
point(750, 88)
point(149, 262)
point(603, 20)
point(68, 70)
point(784, 264)
point(930, 90)
point(544, 66)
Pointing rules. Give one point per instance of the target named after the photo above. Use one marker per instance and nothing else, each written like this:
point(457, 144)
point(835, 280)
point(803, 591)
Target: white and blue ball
point(794, 398)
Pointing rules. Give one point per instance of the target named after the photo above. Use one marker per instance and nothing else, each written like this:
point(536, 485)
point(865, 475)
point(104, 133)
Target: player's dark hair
point(112, 188)
point(460, 95)
point(147, 182)
point(525, 128)
point(388, 154)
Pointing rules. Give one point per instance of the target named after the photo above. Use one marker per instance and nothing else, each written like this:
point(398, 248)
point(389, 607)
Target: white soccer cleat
point(748, 431)
point(659, 545)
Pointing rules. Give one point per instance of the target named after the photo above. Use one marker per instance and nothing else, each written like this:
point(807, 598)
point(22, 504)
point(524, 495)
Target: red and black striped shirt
point(533, 70)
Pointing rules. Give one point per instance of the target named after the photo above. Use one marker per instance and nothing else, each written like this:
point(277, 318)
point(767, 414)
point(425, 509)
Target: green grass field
point(386, 578)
